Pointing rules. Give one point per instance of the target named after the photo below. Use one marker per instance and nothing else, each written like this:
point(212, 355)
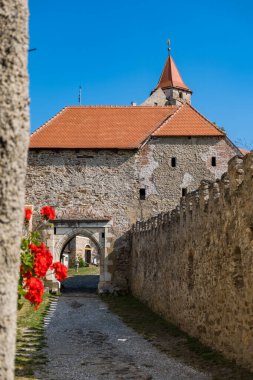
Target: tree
point(14, 136)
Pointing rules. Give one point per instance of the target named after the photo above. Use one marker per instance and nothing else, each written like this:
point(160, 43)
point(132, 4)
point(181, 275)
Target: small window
point(173, 162)
point(55, 230)
point(213, 161)
point(155, 104)
point(103, 235)
point(180, 95)
point(184, 191)
point(142, 194)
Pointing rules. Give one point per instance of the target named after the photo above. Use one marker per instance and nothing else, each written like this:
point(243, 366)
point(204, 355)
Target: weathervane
point(80, 95)
point(168, 43)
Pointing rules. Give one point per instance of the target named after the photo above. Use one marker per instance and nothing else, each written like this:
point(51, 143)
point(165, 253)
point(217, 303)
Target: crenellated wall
point(194, 265)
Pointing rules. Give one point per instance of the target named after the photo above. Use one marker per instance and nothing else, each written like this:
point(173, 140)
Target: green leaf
point(20, 304)
point(27, 260)
point(24, 244)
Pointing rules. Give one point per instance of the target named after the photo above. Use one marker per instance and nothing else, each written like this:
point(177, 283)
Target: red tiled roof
point(171, 77)
point(106, 127)
point(187, 122)
point(100, 127)
point(244, 151)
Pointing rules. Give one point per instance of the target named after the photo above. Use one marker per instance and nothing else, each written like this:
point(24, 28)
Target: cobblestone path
point(86, 341)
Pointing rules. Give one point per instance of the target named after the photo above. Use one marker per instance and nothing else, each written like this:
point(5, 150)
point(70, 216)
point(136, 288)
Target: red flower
point(28, 214)
point(35, 291)
point(48, 212)
point(43, 259)
point(37, 248)
point(61, 271)
point(42, 263)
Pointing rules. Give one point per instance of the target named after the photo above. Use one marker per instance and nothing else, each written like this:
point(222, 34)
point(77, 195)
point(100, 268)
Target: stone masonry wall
point(98, 184)
point(194, 265)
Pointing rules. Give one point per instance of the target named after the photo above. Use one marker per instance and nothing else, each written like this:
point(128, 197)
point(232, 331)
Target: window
point(184, 191)
point(213, 161)
point(155, 104)
point(55, 230)
point(142, 194)
point(180, 95)
point(173, 162)
point(103, 235)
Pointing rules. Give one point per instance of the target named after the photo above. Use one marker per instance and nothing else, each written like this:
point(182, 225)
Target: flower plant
point(36, 260)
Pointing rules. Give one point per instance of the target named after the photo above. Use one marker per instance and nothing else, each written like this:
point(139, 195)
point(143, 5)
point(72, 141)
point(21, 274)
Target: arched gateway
point(62, 231)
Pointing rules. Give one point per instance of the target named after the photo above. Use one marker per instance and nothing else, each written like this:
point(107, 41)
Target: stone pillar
point(105, 284)
point(14, 137)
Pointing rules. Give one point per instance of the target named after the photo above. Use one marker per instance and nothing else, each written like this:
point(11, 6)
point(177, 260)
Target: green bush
point(81, 262)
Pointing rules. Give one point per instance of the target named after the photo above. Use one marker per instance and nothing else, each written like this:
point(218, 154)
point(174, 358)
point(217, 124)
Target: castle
point(105, 167)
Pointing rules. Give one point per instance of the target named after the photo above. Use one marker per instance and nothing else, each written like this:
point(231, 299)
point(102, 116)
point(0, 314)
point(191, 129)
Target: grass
point(91, 270)
point(30, 339)
point(169, 339)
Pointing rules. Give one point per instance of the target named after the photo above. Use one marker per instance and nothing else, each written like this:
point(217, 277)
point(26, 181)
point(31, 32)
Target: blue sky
point(116, 50)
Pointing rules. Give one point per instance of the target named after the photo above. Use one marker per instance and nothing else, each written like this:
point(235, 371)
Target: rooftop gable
point(187, 121)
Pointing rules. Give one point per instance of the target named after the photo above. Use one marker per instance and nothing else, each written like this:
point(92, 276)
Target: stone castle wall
point(98, 184)
point(194, 265)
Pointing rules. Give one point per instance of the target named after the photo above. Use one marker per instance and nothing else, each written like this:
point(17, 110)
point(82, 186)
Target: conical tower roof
point(171, 77)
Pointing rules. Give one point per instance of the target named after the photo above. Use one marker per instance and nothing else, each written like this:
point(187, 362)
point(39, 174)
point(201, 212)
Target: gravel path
point(86, 341)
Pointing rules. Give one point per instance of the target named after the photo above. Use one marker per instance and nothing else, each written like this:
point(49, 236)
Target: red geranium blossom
point(60, 271)
point(42, 263)
point(35, 291)
point(28, 214)
point(33, 248)
point(48, 212)
point(37, 248)
point(42, 259)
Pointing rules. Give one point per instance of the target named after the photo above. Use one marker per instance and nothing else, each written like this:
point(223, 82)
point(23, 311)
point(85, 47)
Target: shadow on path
point(80, 283)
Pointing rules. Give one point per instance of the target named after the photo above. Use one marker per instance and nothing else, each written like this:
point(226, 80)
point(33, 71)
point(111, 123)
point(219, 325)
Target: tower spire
point(171, 89)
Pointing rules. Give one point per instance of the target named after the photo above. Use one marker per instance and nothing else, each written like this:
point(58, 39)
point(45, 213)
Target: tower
point(171, 89)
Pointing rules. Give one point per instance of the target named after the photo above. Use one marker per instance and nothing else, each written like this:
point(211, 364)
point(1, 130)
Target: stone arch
point(70, 235)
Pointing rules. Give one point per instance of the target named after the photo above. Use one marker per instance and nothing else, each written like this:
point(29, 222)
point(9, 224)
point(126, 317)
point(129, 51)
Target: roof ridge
point(109, 106)
point(169, 118)
point(214, 125)
point(49, 121)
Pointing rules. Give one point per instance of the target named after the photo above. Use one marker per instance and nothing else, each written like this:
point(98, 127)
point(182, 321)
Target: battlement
point(208, 197)
point(194, 265)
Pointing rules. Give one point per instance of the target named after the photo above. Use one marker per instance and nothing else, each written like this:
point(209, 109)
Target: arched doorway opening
point(82, 254)
point(87, 254)
point(80, 248)
point(100, 235)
